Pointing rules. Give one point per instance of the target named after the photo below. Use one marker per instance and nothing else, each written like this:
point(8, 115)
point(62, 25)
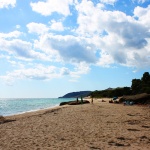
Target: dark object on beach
point(129, 102)
point(116, 102)
point(103, 100)
point(74, 103)
point(143, 98)
point(4, 120)
point(110, 101)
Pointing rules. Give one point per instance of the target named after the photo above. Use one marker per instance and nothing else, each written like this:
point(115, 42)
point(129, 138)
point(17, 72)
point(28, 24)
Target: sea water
point(12, 106)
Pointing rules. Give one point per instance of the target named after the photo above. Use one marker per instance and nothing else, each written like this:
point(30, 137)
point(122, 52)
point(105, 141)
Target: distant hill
point(76, 94)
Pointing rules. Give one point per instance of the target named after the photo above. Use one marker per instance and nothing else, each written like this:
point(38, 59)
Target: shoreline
point(20, 108)
point(34, 113)
point(41, 111)
point(30, 111)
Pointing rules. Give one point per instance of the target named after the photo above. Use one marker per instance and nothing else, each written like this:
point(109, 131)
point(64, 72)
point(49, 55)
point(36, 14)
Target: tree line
point(138, 86)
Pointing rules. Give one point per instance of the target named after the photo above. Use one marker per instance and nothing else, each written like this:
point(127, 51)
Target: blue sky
point(51, 47)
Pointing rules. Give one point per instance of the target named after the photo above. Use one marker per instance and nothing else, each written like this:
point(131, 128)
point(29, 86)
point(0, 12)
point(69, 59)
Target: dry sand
point(98, 126)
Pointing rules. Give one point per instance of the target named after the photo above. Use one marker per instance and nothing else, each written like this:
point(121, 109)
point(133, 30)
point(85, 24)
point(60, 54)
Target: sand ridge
point(98, 126)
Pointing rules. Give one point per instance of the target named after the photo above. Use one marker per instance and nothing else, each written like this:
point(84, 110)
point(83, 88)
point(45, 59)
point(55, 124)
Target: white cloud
point(57, 26)
point(105, 60)
point(93, 20)
point(16, 46)
point(68, 48)
point(64, 71)
point(47, 7)
point(111, 2)
point(44, 45)
point(115, 34)
point(80, 68)
point(143, 15)
point(21, 50)
point(39, 72)
point(90, 19)
point(38, 28)
point(7, 3)
point(45, 73)
point(14, 34)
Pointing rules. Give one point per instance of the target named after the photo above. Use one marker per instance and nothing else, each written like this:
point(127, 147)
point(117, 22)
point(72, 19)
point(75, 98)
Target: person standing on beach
point(81, 100)
point(91, 98)
point(77, 100)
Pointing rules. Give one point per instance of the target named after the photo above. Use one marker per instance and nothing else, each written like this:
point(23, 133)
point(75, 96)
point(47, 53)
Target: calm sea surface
point(13, 106)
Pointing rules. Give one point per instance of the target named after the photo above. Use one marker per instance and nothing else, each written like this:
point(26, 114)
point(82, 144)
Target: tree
point(146, 78)
point(136, 86)
point(126, 90)
point(146, 82)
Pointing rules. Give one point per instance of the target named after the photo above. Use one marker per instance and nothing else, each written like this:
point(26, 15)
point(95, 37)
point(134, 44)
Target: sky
point(52, 47)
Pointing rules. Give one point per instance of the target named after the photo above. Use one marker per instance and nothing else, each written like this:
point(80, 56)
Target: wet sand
point(98, 126)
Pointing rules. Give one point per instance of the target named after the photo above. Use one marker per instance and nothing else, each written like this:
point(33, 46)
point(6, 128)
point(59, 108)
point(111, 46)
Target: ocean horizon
point(14, 106)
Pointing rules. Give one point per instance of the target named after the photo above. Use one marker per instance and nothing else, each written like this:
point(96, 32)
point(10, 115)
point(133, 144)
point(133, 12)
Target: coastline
point(40, 111)
point(34, 112)
point(15, 106)
point(89, 126)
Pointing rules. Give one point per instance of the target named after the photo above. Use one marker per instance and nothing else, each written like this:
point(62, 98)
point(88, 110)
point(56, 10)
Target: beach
point(97, 126)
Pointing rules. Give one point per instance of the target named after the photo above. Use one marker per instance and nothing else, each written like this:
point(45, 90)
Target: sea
point(13, 106)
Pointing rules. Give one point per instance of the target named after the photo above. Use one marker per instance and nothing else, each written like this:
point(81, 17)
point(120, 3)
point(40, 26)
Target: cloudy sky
point(51, 47)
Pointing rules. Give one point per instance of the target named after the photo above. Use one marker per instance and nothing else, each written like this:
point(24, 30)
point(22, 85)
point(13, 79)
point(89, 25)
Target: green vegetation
point(138, 86)
point(141, 85)
point(112, 92)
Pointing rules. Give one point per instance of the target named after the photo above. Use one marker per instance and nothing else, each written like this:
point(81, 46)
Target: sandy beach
point(98, 126)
